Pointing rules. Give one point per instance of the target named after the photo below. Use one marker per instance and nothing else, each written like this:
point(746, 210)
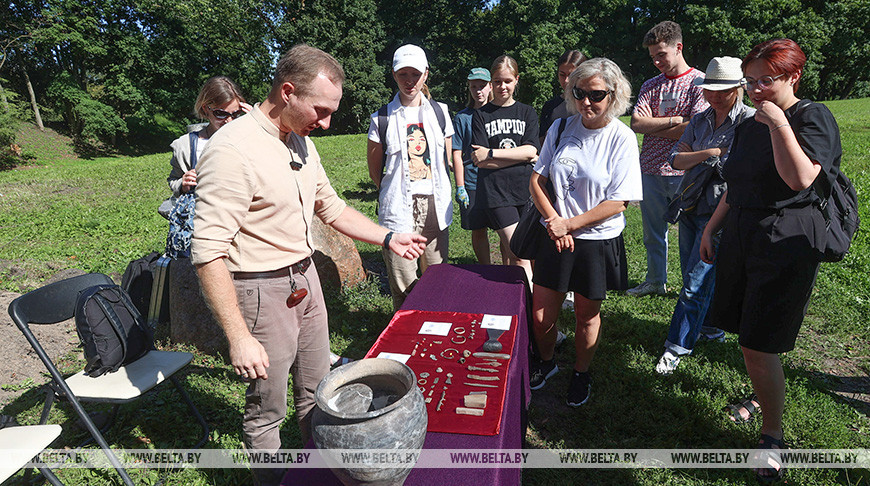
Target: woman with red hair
point(772, 226)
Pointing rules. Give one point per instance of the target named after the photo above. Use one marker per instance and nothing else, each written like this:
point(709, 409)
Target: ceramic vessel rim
point(353, 371)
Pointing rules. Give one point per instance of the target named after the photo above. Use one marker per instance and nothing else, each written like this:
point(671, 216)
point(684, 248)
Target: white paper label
point(401, 358)
point(491, 321)
point(436, 328)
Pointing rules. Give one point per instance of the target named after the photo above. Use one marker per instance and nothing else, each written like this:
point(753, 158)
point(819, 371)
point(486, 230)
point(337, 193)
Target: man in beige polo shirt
point(260, 184)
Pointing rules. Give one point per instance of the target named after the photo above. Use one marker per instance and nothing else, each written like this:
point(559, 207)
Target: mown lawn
point(97, 215)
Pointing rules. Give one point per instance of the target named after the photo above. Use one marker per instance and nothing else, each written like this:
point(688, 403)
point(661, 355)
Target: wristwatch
point(489, 155)
point(387, 239)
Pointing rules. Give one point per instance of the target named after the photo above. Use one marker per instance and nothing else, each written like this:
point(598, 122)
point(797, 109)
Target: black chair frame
point(55, 303)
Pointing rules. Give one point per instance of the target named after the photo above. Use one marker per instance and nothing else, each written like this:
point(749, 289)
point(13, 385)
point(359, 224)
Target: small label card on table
point(437, 328)
point(401, 358)
point(492, 321)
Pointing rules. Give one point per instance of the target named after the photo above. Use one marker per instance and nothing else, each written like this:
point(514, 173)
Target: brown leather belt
point(299, 267)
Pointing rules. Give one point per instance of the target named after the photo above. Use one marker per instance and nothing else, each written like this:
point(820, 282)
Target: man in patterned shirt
point(663, 109)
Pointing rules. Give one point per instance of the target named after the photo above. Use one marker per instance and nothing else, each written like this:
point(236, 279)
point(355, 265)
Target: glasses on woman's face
point(763, 82)
point(595, 96)
point(223, 114)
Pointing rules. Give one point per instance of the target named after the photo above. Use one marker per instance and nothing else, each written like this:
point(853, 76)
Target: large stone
point(337, 260)
point(191, 321)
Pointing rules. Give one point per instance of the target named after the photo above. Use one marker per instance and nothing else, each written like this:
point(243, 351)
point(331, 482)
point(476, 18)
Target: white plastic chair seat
point(26, 441)
point(129, 381)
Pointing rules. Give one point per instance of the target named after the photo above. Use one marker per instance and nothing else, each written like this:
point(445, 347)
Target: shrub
point(149, 129)
point(90, 120)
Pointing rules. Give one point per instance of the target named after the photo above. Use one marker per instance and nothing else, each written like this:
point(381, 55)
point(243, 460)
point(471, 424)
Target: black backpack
point(838, 201)
point(138, 280)
point(112, 331)
point(839, 205)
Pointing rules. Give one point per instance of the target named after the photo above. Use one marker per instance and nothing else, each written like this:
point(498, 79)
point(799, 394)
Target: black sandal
point(750, 404)
point(767, 442)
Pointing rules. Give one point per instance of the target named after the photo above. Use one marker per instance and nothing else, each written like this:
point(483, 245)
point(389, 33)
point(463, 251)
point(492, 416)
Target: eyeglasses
point(763, 82)
point(595, 96)
point(223, 114)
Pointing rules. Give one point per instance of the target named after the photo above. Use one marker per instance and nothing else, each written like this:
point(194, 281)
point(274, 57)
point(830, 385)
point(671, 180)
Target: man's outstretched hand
point(408, 245)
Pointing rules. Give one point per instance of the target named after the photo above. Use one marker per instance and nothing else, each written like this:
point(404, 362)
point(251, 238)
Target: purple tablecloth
point(473, 289)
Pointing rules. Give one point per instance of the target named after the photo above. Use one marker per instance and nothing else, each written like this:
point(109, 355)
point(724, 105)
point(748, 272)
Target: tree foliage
point(89, 119)
point(127, 71)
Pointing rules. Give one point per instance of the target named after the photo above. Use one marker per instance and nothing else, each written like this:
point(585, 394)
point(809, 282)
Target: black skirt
point(593, 268)
point(766, 268)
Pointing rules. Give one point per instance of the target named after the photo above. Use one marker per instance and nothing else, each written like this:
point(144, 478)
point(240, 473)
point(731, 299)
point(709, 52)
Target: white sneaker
point(336, 360)
point(667, 363)
point(647, 288)
point(568, 304)
point(560, 337)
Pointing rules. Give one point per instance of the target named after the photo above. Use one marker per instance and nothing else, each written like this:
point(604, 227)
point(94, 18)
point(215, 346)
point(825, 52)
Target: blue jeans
point(658, 191)
point(698, 281)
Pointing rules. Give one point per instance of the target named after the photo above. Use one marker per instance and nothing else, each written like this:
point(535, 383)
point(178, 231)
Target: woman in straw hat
point(701, 151)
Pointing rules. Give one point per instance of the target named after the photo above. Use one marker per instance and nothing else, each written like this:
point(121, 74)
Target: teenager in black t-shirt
point(767, 258)
point(504, 137)
point(556, 107)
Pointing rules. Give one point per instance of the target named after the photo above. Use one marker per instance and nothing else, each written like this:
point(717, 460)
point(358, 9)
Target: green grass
point(98, 214)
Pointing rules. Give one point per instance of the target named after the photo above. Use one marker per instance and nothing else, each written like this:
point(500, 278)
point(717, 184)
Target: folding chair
point(29, 440)
point(56, 303)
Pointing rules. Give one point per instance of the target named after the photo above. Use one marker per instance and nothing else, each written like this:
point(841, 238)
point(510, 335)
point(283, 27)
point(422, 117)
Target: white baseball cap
point(410, 55)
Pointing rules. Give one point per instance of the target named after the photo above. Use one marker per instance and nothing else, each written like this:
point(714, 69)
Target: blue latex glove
point(462, 197)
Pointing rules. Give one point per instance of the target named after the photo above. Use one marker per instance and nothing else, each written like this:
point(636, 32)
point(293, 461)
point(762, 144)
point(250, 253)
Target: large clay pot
point(370, 404)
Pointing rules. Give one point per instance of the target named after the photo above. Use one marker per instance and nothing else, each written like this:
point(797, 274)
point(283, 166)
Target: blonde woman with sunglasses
point(219, 102)
point(592, 163)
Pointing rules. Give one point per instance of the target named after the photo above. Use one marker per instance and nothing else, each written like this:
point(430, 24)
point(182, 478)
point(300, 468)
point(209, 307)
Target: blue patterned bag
point(181, 226)
point(181, 215)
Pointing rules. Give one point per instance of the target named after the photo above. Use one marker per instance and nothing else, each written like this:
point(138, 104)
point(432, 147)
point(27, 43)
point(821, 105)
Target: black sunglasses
point(595, 96)
point(223, 114)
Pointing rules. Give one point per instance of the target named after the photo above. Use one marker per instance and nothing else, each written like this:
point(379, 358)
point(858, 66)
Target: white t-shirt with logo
point(589, 167)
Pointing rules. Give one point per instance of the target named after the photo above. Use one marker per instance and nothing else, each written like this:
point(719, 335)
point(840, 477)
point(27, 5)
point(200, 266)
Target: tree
point(846, 57)
point(89, 119)
point(351, 31)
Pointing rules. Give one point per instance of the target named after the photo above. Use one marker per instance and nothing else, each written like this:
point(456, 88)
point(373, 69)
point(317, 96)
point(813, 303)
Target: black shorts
point(503, 217)
point(765, 272)
point(593, 268)
point(473, 217)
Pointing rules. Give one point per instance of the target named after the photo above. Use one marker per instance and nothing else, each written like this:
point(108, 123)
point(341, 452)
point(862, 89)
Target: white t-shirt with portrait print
point(419, 161)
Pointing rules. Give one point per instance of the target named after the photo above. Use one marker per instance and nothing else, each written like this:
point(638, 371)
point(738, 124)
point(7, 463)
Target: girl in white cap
point(701, 151)
point(408, 154)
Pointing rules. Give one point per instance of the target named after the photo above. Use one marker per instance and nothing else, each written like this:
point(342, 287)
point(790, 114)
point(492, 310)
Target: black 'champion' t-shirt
point(504, 127)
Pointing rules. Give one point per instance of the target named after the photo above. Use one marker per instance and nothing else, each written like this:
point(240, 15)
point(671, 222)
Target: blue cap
point(479, 73)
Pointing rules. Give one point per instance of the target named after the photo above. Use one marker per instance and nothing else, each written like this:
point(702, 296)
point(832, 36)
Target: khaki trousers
point(402, 273)
point(296, 340)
